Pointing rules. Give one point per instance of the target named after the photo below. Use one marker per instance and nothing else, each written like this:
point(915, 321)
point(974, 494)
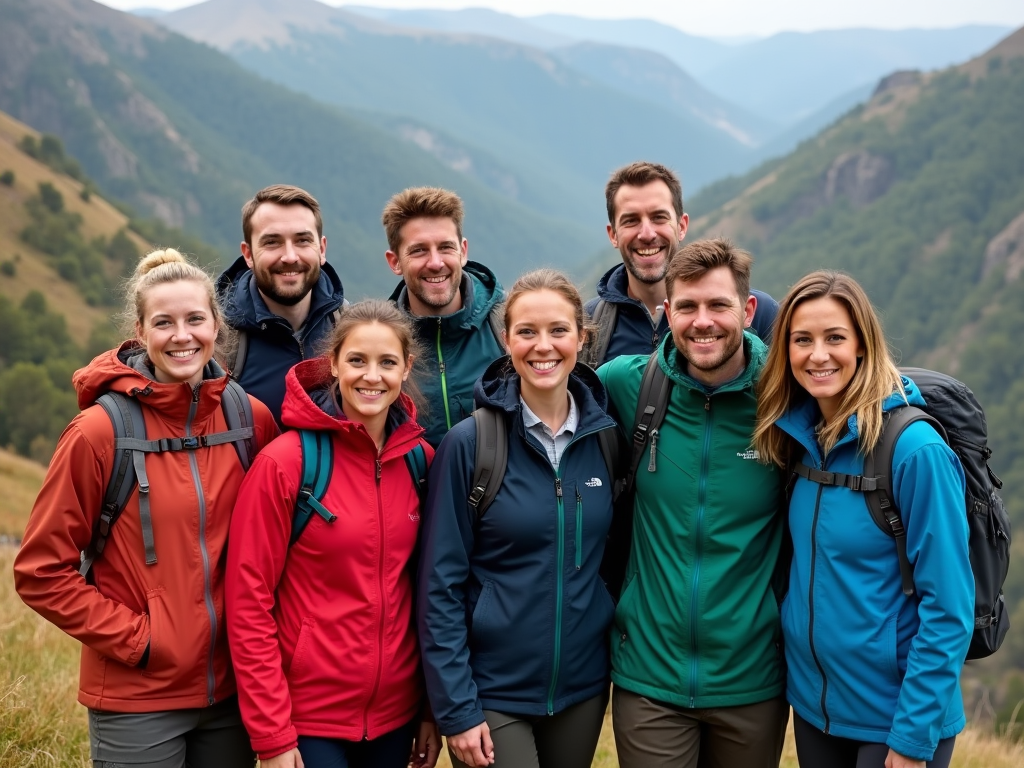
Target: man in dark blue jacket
point(646, 223)
point(281, 295)
point(455, 304)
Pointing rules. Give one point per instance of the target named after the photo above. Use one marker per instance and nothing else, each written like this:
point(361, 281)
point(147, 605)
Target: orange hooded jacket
point(174, 607)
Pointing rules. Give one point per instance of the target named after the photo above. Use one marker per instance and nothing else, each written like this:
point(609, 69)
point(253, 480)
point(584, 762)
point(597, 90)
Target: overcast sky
point(725, 18)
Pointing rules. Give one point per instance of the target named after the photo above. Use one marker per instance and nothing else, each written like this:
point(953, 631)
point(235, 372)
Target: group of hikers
point(316, 597)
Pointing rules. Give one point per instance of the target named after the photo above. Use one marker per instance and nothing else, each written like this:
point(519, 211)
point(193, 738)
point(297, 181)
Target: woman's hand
point(473, 747)
point(896, 760)
point(290, 759)
point(426, 746)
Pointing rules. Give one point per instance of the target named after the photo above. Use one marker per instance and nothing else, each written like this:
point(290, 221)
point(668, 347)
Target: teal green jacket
point(697, 624)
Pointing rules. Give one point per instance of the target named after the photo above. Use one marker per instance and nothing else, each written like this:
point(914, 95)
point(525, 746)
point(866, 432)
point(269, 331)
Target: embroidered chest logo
point(414, 518)
point(594, 482)
point(750, 454)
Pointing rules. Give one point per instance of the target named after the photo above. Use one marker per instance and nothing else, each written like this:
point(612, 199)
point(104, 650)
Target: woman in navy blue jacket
point(513, 616)
point(873, 675)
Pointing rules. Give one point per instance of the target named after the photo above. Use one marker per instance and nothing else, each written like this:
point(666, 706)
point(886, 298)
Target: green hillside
point(920, 195)
point(179, 131)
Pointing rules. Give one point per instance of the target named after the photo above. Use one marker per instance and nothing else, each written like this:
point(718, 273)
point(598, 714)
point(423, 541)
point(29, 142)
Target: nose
point(820, 353)
point(434, 261)
point(289, 253)
point(182, 333)
point(647, 230)
point(702, 318)
point(372, 373)
point(543, 342)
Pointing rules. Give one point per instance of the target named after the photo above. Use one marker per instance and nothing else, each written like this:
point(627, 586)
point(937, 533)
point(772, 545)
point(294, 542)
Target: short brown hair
point(640, 174)
point(419, 202)
point(282, 194)
point(694, 260)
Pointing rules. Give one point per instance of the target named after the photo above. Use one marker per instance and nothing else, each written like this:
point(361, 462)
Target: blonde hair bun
point(157, 258)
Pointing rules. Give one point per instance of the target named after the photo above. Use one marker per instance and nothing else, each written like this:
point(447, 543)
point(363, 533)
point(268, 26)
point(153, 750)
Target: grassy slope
point(33, 269)
point(42, 726)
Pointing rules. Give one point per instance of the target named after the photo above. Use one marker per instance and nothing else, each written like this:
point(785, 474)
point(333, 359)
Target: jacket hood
point(674, 366)
point(498, 388)
point(311, 403)
point(481, 292)
point(245, 309)
point(126, 370)
point(614, 285)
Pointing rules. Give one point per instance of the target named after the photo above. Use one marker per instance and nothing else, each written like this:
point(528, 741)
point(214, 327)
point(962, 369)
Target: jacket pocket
point(300, 658)
point(483, 633)
point(891, 650)
point(626, 611)
point(164, 647)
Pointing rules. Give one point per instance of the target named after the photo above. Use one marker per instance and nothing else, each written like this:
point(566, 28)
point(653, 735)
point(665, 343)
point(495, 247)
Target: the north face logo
point(594, 482)
point(749, 454)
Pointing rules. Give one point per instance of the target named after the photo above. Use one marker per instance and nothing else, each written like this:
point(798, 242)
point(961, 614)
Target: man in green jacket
point(696, 655)
point(455, 304)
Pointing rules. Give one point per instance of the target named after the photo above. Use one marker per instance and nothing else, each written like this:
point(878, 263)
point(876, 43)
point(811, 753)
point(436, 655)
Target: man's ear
point(393, 262)
point(611, 235)
point(749, 310)
point(246, 254)
point(465, 251)
point(323, 250)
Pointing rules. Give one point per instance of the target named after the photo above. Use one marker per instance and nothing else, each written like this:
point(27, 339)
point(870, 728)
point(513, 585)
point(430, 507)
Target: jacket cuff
point(912, 749)
point(276, 744)
point(462, 724)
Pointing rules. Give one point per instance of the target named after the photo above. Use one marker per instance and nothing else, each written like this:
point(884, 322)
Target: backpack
point(956, 415)
point(317, 465)
point(606, 314)
point(651, 405)
point(234, 360)
point(131, 447)
point(491, 458)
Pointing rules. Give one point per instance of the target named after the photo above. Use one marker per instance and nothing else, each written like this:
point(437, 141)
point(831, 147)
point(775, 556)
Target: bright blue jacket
point(274, 347)
point(512, 613)
point(634, 332)
point(456, 349)
point(865, 661)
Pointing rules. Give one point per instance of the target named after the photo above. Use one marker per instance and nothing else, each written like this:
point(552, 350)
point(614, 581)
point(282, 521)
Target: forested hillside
point(920, 195)
point(187, 135)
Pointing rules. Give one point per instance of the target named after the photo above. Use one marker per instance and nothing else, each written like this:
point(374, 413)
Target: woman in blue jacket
point(873, 675)
point(513, 616)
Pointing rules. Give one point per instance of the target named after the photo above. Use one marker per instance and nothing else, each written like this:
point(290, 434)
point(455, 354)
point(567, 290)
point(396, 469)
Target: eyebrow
point(827, 330)
point(271, 235)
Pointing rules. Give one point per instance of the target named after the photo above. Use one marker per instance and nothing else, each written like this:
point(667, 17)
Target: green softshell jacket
point(697, 624)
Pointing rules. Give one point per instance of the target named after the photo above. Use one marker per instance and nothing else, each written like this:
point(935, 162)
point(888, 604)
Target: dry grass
point(20, 480)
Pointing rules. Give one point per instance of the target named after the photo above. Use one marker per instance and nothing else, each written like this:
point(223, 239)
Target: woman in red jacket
point(321, 626)
point(155, 672)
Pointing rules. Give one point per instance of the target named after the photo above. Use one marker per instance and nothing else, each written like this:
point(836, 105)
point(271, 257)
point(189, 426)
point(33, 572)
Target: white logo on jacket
point(594, 482)
point(750, 453)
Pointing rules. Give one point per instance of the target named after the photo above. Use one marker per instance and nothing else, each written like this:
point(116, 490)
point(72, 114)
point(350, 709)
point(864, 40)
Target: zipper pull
point(378, 470)
point(558, 487)
point(707, 402)
point(652, 464)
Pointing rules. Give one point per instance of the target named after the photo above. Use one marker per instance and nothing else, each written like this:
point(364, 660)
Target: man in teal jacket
point(696, 656)
point(455, 304)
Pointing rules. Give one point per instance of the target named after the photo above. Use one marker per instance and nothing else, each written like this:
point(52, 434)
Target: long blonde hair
point(875, 379)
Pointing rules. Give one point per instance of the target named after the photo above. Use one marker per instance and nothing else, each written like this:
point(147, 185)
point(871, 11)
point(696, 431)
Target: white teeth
point(545, 366)
point(822, 374)
point(441, 279)
point(704, 339)
point(370, 392)
point(648, 251)
point(183, 353)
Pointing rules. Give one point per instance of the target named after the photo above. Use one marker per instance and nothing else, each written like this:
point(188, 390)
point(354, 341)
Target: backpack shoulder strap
point(317, 464)
point(416, 461)
point(496, 320)
point(491, 458)
point(125, 415)
point(878, 465)
point(651, 405)
point(606, 313)
point(238, 415)
point(235, 361)
point(608, 439)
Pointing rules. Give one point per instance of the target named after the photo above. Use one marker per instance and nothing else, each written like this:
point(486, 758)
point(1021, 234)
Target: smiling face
point(370, 368)
point(646, 230)
point(707, 318)
point(286, 252)
point(430, 258)
point(543, 341)
point(824, 348)
point(178, 330)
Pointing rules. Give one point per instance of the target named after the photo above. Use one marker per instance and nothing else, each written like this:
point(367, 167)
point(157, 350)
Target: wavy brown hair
point(875, 379)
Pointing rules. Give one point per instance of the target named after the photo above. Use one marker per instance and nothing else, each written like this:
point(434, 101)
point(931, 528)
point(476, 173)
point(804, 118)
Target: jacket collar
point(675, 366)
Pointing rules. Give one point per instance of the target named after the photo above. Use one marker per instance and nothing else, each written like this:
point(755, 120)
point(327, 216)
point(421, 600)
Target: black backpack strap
point(317, 465)
point(238, 415)
point(235, 362)
point(651, 405)
point(491, 458)
point(416, 461)
point(878, 465)
point(606, 313)
point(611, 450)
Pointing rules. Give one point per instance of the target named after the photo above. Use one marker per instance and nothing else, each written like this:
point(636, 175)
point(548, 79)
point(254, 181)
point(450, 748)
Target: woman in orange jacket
point(320, 617)
point(155, 672)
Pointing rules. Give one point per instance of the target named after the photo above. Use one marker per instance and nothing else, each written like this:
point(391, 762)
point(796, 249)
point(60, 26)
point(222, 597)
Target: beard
point(648, 275)
point(290, 296)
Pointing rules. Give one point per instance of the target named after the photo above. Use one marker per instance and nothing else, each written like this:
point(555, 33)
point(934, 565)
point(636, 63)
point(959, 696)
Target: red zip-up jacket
point(321, 633)
point(175, 606)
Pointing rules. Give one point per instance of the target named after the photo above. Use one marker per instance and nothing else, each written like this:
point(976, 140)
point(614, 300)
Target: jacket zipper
point(444, 378)
point(579, 530)
point(699, 548)
point(810, 605)
point(558, 593)
point(383, 608)
point(211, 679)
